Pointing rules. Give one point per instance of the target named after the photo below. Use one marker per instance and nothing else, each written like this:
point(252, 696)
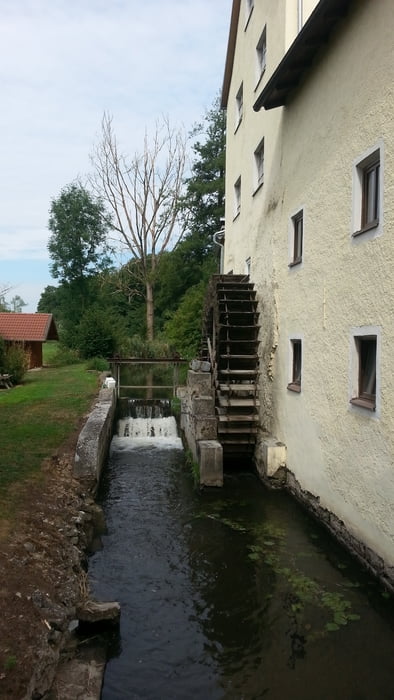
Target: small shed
point(31, 331)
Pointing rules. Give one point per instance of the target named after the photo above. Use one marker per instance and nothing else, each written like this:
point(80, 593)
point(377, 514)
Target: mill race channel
point(233, 593)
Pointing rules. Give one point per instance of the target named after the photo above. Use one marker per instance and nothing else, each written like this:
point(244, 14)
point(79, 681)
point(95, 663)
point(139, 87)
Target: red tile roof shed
point(28, 327)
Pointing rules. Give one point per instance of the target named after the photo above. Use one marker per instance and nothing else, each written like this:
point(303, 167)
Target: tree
point(79, 251)
point(195, 258)
point(78, 242)
point(183, 328)
point(203, 204)
point(4, 289)
point(143, 193)
point(17, 304)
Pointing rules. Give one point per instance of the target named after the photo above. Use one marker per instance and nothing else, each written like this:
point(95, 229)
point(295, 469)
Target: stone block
point(200, 366)
point(204, 427)
point(93, 611)
point(199, 383)
point(210, 460)
point(203, 406)
point(272, 456)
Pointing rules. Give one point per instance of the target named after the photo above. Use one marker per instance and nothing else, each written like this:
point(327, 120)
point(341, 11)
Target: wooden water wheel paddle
point(230, 343)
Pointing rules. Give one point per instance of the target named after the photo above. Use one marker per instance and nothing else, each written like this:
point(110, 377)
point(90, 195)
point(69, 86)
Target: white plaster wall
point(343, 108)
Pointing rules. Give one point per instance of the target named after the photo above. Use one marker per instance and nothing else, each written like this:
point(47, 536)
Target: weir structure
point(118, 362)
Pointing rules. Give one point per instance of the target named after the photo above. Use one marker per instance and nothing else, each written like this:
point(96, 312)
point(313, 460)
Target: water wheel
point(230, 343)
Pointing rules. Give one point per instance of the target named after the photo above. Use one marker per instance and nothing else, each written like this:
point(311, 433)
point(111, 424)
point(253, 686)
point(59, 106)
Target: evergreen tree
point(183, 273)
point(203, 204)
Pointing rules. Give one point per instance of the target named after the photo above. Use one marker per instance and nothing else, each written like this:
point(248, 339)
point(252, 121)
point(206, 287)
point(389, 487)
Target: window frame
point(239, 106)
point(296, 249)
point(363, 226)
point(368, 186)
point(295, 364)
point(261, 55)
point(249, 6)
point(259, 156)
point(237, 197)
point(363, 340)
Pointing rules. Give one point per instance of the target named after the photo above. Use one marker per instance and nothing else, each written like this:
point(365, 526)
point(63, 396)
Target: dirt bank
point(42, 578)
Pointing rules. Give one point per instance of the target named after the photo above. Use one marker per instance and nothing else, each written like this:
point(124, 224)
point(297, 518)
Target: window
point(367, 194)
point(370, 196)
point(296, 365)
point(261, 54)
point(259, 165)
point(365, 394)
point(237, 197)
point(239, 106)
point(300, 15)
point(249, 4)
point(297, 232)
point(248, 263)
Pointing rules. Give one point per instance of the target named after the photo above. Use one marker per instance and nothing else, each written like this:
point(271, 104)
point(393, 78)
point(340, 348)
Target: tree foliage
point(203, 204)
point(78, 242)
point(143, 192)
point(184, 273)
point(175, 276)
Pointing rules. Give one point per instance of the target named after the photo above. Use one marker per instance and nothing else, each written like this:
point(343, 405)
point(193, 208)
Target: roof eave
point(232, 39)
point(301, 53)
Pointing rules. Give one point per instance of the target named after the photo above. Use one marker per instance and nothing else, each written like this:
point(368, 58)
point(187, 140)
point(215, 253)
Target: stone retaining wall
point(93, 442)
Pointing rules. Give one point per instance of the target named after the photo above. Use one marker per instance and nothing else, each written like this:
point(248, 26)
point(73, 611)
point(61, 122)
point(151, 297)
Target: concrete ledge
point(94, 439)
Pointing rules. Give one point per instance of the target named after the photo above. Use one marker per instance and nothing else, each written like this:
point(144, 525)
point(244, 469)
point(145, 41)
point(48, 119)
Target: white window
point(261, 54)
point(259, 165)
point(365, 369)
point(248, 263)
point(368, 195)
point(249, 5)
point(239, 106)
point(237, 197)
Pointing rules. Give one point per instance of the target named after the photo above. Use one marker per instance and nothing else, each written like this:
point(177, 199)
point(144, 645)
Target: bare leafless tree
point(143, 194)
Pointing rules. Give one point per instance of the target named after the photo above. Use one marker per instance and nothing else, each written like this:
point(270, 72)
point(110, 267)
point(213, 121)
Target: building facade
point(308, 90)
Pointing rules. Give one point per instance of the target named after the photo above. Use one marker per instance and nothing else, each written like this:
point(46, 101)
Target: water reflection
point(232, 593)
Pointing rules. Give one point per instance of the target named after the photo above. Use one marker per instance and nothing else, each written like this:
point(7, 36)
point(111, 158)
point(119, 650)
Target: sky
point(62, 64)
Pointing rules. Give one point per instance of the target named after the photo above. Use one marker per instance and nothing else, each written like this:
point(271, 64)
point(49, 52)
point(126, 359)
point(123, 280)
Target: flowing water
point(232, 594)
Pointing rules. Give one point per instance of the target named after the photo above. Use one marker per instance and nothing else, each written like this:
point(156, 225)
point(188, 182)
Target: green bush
point(16, 362)
point(136, 346)
point(64, 356)
point(96, 334)
point(183, 328)
point(99, 364)
point(2, 355)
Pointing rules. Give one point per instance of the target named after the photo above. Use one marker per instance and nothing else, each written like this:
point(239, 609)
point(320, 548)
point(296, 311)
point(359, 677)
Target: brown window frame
point(296, 371)
point(369, 184)
point(298, 238)
point(369, 176)
point(366, 347)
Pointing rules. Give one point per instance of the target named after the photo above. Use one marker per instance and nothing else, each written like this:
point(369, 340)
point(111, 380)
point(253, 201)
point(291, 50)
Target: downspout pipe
point(218, 237)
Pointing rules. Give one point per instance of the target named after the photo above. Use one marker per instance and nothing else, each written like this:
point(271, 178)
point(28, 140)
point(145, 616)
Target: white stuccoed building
point(308, 90)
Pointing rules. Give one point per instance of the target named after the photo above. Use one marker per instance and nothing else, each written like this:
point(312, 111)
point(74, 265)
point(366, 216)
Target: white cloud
point(63, 62)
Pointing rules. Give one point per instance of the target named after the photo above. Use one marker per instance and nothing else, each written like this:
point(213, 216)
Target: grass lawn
point(36, 418)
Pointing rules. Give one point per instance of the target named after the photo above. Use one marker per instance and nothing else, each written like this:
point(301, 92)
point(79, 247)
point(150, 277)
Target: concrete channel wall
point(199, 424)
point(93, 442)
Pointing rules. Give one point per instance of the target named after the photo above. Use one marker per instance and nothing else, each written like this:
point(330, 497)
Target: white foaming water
point(148, 431)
